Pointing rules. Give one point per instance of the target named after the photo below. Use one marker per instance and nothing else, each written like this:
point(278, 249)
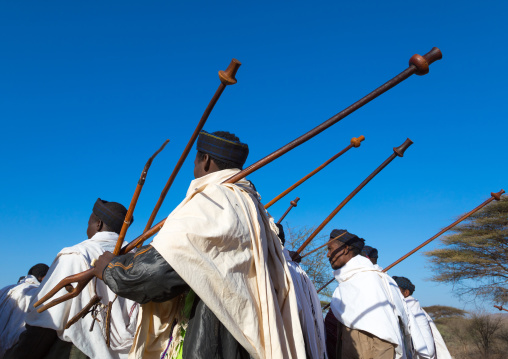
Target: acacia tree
point(475, 257)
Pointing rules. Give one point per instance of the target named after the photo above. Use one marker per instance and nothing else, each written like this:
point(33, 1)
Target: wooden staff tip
point(422, 62)
point(399, 151)
point(227, 77)
point(356, 141)
point(294, 202)
point(497, 196)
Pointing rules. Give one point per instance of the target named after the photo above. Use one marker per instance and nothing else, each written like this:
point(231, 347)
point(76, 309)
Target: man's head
point(342, 249)
point(218, 151)
point(406, 287)
point(371, 253)
point(106, 217)
point(39, 271)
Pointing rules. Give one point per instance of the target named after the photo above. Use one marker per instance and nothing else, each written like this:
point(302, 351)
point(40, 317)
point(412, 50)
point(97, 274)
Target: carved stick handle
point(293, 203)
point(399, 151)
point(422, 62)
point(356, 141)
point(227, 77)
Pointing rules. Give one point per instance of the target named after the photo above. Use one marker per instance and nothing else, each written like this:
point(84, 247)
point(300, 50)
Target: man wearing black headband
point(369, 306)
point(45, 332)
point(214, 282)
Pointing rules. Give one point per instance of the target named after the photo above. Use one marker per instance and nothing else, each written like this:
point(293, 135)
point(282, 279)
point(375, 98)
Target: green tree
point(441, 313)
point(475, 257)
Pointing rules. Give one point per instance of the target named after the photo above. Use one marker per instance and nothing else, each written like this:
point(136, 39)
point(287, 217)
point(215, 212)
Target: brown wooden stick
point(355, 142)
point(134, 200)
point(83, 312)
point(500, 308)
point(326, 306)
point(397, 151)
point(417, 65)
point(227, 77)
point(326, 285)
point(293, 203)
point(324, 245)
point(494, 196)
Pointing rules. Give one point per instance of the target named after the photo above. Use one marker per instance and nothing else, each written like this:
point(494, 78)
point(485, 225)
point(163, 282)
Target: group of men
point(217, 282)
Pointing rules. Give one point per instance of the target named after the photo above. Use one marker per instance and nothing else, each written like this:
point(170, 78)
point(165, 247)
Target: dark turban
point(231, 152)
point(348, 238)
point(111, 213)
point(404, 283)
point(369, 252)
point(282, 236)
point(39, 271)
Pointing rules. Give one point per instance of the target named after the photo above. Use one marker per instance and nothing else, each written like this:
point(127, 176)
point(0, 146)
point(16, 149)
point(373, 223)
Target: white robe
point(423, 324)
point(73, 260)
point(222, 242)
point(309, 311)
point(441, 349)
point(14, 305)
point(370, 300)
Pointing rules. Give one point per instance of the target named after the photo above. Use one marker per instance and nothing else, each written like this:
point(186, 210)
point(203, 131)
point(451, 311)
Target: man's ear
point(100, 225)
point(207, 159)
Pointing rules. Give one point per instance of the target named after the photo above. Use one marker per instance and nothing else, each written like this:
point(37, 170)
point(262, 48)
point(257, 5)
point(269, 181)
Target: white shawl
point(73, 260)
point(423, 324)
point(223, 243)
point(441, 349)
point(309, 310)
point(370, 300)
point(13, 308)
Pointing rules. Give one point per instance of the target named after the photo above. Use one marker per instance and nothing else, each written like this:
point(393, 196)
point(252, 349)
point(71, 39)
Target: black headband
point(111, 213)
point(231, 152)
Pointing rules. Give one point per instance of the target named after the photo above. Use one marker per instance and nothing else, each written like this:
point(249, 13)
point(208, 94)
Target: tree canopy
point(474, 258)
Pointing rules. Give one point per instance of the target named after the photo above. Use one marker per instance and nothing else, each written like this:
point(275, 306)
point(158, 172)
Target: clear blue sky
point(89, 90)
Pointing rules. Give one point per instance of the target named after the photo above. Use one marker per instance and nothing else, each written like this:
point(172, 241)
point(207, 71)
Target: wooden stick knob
point(295, 201)
point(497, 195)
point(227, 77)
point(422, 62)
point(356, 141)
point(399, 151)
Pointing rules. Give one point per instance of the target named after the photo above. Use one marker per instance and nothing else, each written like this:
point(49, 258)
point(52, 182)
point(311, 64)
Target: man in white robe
point(309, 306)
point(14, 305)
point(425, 322)
point(372, 254)
point(221, 245)
point(46, 333)
point(374, 319)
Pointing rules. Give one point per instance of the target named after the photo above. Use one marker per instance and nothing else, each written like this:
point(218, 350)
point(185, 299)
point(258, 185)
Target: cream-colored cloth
point(370, 300)
point(309, 310)
point(223, 243)
point(13, 308)
point(74, 260)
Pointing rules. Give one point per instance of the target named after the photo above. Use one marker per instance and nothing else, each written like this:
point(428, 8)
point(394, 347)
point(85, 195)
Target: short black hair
point(39, 271)
point(221, 164)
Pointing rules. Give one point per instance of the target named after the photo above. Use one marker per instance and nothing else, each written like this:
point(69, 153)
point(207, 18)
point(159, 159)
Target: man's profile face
point(405, 292)
point(336, 254)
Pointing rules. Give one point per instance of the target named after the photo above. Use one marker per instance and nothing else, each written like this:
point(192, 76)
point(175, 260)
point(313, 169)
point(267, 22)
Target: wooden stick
point(500, 308)
point(493, 196)
point(355, 142)
point(418, 65)
point(326, 285)
point(227, 77)
point(397, 151)
point(134, 200)
point(324, 245)
point(326, 306)
point(292, 204)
